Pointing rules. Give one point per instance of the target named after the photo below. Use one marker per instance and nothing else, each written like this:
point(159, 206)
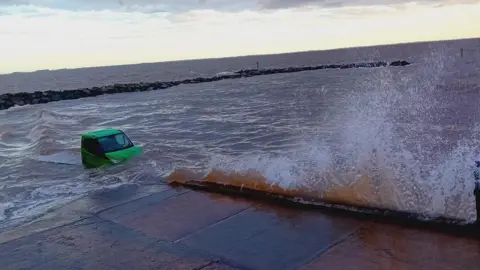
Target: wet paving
point(176, 228)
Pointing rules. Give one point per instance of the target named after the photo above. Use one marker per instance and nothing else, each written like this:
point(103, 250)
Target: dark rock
point(3, 104)
point(163, 86)
point(18, 101)
point(44, 100)
point(96, 91)
point(399, 63)
point(198, 80)
point(55, 97)
point(347, 66)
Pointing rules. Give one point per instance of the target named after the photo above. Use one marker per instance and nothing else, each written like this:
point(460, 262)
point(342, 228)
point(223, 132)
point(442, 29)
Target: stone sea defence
point(23, 98)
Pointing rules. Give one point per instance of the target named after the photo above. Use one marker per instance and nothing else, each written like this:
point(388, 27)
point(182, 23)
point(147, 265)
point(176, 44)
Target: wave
point(360, 193)
point(226, 73)
point(393, 148)
point(3, 210)
point(365, 192)
point(40, 132)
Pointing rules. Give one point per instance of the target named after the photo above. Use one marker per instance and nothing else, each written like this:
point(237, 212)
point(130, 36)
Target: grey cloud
point(179, 6)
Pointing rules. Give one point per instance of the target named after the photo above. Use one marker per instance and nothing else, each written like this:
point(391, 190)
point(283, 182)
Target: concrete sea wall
point(19, 99)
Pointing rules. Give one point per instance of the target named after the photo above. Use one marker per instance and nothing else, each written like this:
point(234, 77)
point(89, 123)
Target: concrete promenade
point(160, 227)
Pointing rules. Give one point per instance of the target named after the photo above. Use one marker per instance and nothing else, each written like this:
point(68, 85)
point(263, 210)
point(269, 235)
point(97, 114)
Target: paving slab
point(182, 215)
point(263, 239)
point(127, 209)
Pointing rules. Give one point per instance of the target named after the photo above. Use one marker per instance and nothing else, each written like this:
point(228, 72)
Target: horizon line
point(246, 55)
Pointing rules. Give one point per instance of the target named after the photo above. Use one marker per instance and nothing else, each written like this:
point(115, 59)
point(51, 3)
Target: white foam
point(369, 143)
point(225, 73)
point(3, 208)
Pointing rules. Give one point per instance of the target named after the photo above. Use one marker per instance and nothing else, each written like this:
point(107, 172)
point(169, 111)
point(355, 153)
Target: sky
point(54, 34)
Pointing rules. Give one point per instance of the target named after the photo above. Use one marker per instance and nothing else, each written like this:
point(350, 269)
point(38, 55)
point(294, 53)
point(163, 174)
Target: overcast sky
point(41, 34)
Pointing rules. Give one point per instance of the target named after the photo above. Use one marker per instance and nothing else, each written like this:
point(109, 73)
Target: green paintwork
point(92, 161)
point(125, 154)
point(101, 133)
point(102, 159)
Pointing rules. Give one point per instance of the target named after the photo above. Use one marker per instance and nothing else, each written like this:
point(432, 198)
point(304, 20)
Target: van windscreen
point(115, 142)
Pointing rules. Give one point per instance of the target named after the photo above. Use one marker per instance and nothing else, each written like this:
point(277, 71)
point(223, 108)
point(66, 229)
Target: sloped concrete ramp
point(176, 228)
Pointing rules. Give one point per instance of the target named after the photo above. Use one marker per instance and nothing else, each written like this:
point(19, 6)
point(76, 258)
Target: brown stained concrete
point(183, 229)
point(376, 246)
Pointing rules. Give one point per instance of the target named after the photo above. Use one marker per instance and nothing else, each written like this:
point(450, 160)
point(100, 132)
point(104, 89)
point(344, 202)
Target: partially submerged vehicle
point(107, 147)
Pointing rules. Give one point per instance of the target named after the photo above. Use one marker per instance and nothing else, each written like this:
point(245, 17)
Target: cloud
point(278, 4)
point(146, 6)
point(180, 6)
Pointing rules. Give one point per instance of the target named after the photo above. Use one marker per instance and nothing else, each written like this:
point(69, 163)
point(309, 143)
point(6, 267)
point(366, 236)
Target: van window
point(92, 146)
point(115, 142)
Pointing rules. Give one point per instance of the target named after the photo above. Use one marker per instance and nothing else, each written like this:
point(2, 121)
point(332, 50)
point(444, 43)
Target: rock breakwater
point(23, 98)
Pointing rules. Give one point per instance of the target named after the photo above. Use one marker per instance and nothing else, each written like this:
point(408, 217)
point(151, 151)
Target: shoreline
point(10, 100)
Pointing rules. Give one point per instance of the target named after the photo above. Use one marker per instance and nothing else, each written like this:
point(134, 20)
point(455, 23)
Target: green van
point(107, 147)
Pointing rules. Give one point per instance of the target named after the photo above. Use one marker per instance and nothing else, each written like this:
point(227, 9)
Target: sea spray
point(374, 149)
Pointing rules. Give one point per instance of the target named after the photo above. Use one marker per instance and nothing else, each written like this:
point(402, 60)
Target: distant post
point(257, 65)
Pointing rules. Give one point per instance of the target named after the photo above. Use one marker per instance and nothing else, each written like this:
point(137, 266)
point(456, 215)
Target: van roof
point(101, 133)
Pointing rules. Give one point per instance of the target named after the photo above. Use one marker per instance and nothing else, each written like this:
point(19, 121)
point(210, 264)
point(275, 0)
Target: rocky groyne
point(39, 97)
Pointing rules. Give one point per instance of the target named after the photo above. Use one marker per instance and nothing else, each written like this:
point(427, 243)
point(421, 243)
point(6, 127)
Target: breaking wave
point(391, 149)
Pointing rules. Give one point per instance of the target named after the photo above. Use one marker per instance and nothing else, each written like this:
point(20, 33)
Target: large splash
point(390, 149)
